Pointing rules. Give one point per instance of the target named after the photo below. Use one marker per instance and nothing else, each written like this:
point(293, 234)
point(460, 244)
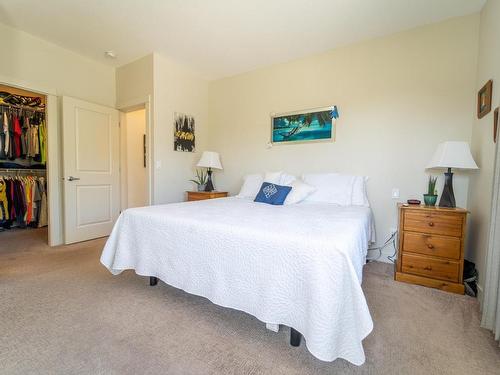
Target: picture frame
point(484, 99)
point(495, 125)
point(304, 126)
point(184, 132)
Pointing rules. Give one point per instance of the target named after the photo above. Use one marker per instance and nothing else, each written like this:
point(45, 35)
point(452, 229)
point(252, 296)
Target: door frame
point(54, 172)
point(488, 297)
point(129, 106)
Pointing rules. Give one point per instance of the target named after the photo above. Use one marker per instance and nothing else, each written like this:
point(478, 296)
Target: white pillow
point(300, 191)
point(330, 188)
point(359, 197)
point(287, 179)
point(251, 186)
point(273, 177)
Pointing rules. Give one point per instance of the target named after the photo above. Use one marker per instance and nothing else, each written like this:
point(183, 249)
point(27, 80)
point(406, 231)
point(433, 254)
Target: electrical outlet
point(395, 193)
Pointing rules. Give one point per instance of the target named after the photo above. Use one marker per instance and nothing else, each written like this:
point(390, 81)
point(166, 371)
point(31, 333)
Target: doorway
point(24, 198)
point(134, 172)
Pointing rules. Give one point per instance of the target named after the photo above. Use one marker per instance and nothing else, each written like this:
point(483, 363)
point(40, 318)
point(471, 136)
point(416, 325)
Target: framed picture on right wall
point(495, 125)
point(484, 99)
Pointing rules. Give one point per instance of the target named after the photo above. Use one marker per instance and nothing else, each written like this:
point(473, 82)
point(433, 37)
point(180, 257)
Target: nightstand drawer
point(441, 246)
point(434, 268)
point(434, 223)
point(202, 195)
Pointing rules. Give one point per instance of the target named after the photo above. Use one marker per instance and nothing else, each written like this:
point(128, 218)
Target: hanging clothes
point(36, 202)
point(23, 135)
point(2, 139)
point(35, 148)
point(5, 125)
point(42, 216)
point(10, 124)
point(27, 195)
point(17, 132)
point(43, 139)
point(24, 138)
point(23, 201)
point(4, 208)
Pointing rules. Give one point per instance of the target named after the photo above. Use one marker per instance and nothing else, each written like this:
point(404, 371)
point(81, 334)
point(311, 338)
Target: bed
point(298, 265)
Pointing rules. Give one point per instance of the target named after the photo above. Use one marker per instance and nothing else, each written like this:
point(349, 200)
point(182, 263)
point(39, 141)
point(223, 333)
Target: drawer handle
point(428, 268)
point(431, 224)
point(430, 246)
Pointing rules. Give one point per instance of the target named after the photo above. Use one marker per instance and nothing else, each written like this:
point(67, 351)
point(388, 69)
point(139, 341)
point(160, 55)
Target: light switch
point(395, 193)
point(158, 164)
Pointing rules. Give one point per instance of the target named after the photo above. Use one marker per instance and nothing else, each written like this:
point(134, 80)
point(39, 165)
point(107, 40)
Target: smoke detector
point(110, 54)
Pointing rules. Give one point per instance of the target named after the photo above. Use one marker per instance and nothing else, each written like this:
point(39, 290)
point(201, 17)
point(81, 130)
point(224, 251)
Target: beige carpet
point(61, 312)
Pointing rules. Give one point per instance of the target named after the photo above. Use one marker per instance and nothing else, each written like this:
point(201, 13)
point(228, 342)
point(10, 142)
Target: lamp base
point(209, 186)
point(448, 197)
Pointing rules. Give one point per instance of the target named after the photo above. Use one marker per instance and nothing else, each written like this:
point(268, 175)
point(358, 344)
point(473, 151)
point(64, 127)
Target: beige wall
point(134, 81)
point(176, 89)
point(483, 148)
point(35, 62)
point(398, 97)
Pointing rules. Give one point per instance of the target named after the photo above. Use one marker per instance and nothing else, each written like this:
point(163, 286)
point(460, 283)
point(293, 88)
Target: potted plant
point(201, 179)
point(431, 197)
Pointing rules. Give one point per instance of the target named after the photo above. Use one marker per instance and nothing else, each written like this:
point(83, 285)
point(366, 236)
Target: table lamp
point(451, 155)
point(209, 159)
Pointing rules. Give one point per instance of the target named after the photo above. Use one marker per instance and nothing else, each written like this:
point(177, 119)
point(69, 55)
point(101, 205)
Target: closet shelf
point(23, 107)
point(8, 170)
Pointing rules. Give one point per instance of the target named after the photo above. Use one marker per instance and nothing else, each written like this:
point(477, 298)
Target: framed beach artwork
point(184, 139)
point(314, 125)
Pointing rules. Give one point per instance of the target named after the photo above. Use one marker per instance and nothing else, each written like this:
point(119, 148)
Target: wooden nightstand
point(201, 195)
point(431, 247)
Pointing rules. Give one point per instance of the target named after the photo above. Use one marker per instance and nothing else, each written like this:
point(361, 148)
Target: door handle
point(71, 178)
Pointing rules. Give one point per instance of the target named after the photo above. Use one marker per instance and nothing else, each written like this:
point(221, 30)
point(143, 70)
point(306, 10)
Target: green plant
point(432, 185)
point(201, 177)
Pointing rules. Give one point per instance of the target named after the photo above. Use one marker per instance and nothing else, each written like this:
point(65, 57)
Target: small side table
point(201, 195)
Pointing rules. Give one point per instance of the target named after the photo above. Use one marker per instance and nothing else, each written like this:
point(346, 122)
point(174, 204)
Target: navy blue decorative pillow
point(272, 194)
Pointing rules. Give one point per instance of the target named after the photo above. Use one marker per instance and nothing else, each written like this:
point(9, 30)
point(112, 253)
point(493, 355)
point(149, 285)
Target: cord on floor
point(391, 258)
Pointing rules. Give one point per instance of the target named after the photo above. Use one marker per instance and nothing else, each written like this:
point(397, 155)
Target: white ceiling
point(220, 37)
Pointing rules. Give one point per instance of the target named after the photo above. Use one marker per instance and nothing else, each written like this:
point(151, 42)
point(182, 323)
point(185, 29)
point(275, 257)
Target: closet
point(23, 159)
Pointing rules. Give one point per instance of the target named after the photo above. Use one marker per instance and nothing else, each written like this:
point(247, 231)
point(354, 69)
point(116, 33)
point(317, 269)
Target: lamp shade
point(453, 155)
point(210, 159)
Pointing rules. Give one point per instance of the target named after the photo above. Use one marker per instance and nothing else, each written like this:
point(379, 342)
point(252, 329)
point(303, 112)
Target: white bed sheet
point(298, 265)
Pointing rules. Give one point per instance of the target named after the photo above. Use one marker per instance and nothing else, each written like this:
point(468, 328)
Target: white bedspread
point(298, 265)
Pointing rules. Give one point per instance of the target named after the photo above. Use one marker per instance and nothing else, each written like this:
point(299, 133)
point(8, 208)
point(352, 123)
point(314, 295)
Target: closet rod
point(25, 107)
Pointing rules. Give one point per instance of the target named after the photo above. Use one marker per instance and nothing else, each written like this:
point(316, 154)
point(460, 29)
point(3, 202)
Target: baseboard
point(373, 256)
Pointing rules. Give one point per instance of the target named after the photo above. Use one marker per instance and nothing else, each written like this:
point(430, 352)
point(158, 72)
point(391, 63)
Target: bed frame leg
point(295, 337)
point(153, 281)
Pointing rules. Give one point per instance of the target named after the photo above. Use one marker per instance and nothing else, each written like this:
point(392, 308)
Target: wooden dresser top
point(405, 206)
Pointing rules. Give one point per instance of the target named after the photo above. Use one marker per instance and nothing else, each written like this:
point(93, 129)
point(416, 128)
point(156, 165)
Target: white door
point(91, 161)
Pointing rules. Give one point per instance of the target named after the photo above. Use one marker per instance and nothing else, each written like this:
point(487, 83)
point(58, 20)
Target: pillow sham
point(273, 177)
point(287, 179)
point(300, 191)
point(272, 194)
point(251, 186)
point(330, 188)
point(359, 196)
